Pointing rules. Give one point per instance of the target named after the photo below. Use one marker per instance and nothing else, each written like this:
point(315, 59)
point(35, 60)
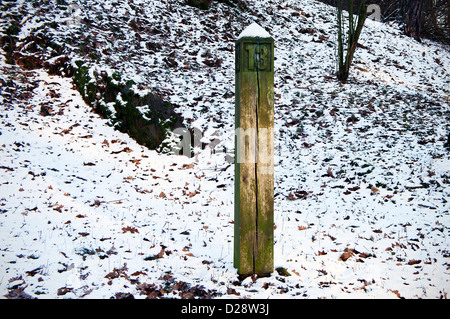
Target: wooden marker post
point(254, 183)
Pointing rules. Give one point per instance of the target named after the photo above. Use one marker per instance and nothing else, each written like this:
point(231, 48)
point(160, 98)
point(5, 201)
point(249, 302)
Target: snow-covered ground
point(361, 175)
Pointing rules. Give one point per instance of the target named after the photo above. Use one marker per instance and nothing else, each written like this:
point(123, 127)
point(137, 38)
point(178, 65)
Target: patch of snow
point(254, 30)
point(360, 167)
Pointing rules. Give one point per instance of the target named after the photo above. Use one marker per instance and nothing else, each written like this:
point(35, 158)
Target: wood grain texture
point(254, 184)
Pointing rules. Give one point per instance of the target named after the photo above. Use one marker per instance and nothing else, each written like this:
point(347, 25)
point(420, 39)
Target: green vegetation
point(148, 119)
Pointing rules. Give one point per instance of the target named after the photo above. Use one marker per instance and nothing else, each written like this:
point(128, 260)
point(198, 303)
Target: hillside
point(86, 211)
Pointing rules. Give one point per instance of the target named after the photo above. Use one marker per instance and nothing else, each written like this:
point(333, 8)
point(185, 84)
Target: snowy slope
point(361, 175)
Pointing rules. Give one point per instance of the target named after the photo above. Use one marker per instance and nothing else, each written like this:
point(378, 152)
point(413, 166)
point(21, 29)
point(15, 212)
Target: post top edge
point(254, 30)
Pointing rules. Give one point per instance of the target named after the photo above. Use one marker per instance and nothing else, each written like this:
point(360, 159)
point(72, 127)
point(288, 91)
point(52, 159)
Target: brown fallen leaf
point(330, 172)
point(58, 208)
point(130, 229)
point(375, 190)
point(295, 272)
point(118, 272)
point(365, 255)
point(158, 255)
point(18, 293)
point(354, 189)
point(105, 142)
point(126, 149)
point(347, 254)
point(63, 290)
point(137, 273)
point(33, 272)
point(395, 292)
point(414, 262)
point(232, 291)
point(96, 203)
point(89, 164)
point(192, 194)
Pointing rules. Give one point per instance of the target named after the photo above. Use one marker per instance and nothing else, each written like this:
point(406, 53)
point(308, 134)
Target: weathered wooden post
point(254, 183)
